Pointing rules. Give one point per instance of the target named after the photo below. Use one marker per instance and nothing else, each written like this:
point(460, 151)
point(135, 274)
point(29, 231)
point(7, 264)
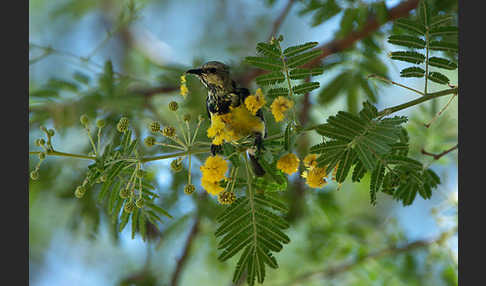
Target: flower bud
point(226, 198)
point(129, 207)
point(176, 166)
point(189, 189)
point(154, 127)
point(187, 117)
point(122, 125)
point(100, 123)
point(34, 175)
point(124, 193)
point(173, 106)
point(80, 191)
point(168, 131)
point(84, 119)
point(51, 132)
point(42, 156)
point(149, 141)
point(40, 142)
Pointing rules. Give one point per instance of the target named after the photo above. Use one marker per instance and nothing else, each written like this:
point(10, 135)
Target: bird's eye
point(211, 70)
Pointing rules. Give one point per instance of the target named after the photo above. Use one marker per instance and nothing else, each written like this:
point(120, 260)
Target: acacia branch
point(394, 250)
point(338, 45)
point(440, 155)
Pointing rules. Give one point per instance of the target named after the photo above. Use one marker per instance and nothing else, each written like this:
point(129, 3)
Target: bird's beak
point(195, 71)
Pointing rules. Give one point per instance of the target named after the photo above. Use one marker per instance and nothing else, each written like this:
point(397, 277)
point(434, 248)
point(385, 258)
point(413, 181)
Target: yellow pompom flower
point(310, 161)
point(234, 125)
point(211, 187)
point(254, 102)
point(288, 163)
point(279, 106)
point(315, 177)
point(184, 91)
point(214, 168)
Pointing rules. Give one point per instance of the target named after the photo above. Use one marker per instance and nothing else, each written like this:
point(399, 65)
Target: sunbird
point(223, 96)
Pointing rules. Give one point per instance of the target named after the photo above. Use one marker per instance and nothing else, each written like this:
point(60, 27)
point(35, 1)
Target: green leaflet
point(407, 41)
point(438, 78)
point(411, 26)
point(265, 63)
point(300, 73)
point(268, 50)
point(291, 51)
point(270, 78)
point(443, 46)
point(412, 72)
point(442, 63)
point(279, 91)
point(408, 56)
point(305, 87)
point(301, 59)
point(444, 31)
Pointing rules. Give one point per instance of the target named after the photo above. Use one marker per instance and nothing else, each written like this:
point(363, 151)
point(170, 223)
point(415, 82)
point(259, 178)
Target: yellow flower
point(211, 187)
point(255, 102)
point(315, 177)
point(288, 163)
point(214, 168)
point(310, 161)
point(232, 126)
point(279, 106)
point(184, 89)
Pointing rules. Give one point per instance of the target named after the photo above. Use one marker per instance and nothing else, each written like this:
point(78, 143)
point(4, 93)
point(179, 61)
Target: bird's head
point(213, 75)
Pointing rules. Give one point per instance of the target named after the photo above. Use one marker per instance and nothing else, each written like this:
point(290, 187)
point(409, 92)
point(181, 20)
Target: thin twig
point(278, 22)
point(441, 111)
point(181, 262)
point(441, 154)
point(332, 271)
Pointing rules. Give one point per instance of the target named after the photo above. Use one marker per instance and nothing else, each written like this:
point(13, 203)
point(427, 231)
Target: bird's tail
point(257, 168)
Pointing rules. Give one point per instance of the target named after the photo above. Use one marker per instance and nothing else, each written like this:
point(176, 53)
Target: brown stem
point(332, 271)
point(438, 156)
point(278, 22)
point(185, 253)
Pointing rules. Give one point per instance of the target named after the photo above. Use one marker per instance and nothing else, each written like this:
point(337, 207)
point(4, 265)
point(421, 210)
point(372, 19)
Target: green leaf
point(444, 31)
point(347, 20)
point(265, 63)
point(270, 78)
point(440, 20)
point(291, 51)
point(411, 26)
point(345, 166)
point(358, 172)
point(231, 154)
point(81, 77)
point(136, 213)
point(377, 177)
point(44, 93)
point(443, 46)
point(56, 83)
point(279, 91)
point(442, 63)
point(123, 221)
point(407, 41)
point(365, 86)
point(438, 77)
point(268, 50)
point(158, 209)
point(305, 87)
point(423, 12)
point(412, 72)
point(408, 56)
point(301, 59)
point(300, 73)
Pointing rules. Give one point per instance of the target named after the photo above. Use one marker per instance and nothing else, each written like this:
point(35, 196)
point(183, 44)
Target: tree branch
point(394, 250)
point(338, 45)
point(278, 22)
point(185, 253)
point(438, 156)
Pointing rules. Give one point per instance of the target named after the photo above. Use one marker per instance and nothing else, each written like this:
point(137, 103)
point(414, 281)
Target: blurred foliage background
point(337, 237)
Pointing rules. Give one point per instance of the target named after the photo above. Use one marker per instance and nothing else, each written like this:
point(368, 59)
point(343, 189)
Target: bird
point(223, 95)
